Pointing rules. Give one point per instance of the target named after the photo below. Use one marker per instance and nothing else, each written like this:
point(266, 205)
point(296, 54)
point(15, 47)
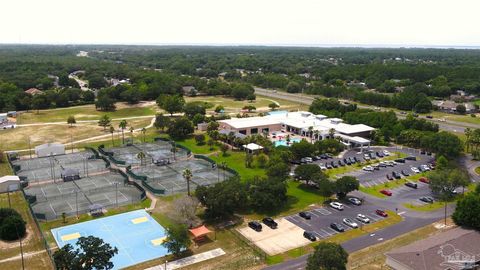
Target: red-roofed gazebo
point(199, 233)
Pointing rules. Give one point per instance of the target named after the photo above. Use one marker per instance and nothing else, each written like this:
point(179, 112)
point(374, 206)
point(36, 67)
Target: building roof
point(252, 146)
point(441, 251)
point(7, 178)
point(199, 231)
point(236, 134)
point(33, 91)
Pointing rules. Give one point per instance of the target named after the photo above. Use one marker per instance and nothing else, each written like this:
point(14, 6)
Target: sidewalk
point(190, 260)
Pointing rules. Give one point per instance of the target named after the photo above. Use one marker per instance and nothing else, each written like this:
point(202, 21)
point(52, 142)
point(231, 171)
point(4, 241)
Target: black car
point(323, 156)
point(411, 158)
point(429, 116)
point(400, 160)
point(356, 159)
point(334, 164)
point(305, 215)
point(405, 173)
point(255, 225)
point(337, 227)
point(410, 184)
point(316, 158)
point(310, 236)
point(396, 175)
point(429, 153)
point(270, 222)
point(379, 154)
point(422, 152)
point(340, 163)
point(347, 161)
point(389, 177)
point(426, 199)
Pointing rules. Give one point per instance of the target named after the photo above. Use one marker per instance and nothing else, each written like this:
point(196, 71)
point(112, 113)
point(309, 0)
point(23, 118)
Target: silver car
point(363, 218)
point(350, 222)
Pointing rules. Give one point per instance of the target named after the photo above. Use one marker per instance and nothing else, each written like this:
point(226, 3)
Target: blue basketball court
point(136, 234)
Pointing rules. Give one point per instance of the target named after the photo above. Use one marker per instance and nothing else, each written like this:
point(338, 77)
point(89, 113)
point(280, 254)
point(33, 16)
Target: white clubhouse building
point(317, 127)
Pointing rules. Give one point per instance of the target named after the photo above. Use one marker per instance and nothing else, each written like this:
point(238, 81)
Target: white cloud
point(307, 22)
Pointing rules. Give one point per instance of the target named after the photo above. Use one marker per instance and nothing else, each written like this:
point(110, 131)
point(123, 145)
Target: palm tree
point(141, 155)
point(310, 131)
point(468, 135)
point(331, 132)
point(144, 130)
point(315, 134)
point(187, 175)
point(112, 130)
point(123, 126)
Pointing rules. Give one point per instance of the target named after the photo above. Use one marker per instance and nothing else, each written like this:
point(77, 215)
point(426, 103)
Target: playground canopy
point(199, 233)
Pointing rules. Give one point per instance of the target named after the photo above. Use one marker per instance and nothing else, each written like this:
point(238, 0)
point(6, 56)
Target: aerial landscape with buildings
point(190, 148)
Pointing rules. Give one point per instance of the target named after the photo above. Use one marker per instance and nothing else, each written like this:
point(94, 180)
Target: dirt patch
point(13, 244)
point(287, 236)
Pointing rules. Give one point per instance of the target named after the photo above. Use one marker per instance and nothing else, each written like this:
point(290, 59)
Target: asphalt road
point(451, 126)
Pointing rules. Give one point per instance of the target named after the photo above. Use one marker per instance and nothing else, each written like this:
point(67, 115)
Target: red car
point(386, 192)
point(424, 180)
point(381, 213)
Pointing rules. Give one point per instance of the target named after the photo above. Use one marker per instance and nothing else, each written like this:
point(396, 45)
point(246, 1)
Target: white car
point(366, 157)
point(386, 153)
point(355, 201)
point(322, 166)
point(363, 218)
point(425, 167)
point(368, 168)
point(308, 159)
point(415, 169)
point(337, 205)
point(350, 222)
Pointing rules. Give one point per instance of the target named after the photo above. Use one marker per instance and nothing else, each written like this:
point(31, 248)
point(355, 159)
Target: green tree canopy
point(328, 256)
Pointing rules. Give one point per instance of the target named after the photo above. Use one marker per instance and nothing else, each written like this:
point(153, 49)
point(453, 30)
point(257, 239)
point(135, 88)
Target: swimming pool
point(136, 234)
point(284, 143)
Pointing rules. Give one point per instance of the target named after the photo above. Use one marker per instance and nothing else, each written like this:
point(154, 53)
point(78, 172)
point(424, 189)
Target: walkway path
point(190, 260)
point(19, 256)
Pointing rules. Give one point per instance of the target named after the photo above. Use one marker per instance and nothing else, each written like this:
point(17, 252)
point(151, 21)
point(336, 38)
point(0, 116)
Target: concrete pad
point(287, 236)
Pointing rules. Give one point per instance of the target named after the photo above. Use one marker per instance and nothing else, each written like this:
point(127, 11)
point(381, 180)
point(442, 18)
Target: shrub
point(12, 226)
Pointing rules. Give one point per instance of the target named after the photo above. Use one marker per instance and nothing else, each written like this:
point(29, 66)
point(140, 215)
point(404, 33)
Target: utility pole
point(29, 147)
point(21, 248)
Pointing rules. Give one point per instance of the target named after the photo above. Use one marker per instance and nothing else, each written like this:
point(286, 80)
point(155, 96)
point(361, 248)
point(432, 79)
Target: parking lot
point(321, 218)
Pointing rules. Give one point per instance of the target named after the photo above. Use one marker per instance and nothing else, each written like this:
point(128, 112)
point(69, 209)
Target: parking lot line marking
point(401, 213)
point(328, 233)
point(334, 232)
point(372, 218)
point(312, 213)
point(322, 211)
point(319, 235)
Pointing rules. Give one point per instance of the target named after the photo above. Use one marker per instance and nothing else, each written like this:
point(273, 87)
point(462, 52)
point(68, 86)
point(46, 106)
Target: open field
point(32, 243)
point(86, 112)
point(15, 139)
point(235, 106)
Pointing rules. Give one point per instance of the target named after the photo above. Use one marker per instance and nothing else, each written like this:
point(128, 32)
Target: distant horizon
point(360, 46)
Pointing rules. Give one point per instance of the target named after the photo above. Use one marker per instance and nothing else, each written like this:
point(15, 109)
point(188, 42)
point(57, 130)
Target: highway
point(451, 126)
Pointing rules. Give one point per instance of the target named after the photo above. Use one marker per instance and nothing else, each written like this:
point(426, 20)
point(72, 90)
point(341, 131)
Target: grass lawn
point(85, 112)
point(236, 161)
point(235, 106)
point(5, 168)
point(203, 149)
point(337, 238)
point(31, 243)
point(426, 207)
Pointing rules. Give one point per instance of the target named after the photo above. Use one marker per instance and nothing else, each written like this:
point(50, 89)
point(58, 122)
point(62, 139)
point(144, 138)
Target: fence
point(173, 143)
point(127, 181)
point(143, 178)
point(226, 168)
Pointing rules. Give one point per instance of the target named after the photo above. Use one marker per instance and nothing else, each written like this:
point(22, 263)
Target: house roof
point(7, 178)
point(33, 91)
point(440, 251)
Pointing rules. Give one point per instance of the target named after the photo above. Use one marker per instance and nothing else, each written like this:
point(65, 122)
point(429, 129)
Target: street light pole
point(76, 200)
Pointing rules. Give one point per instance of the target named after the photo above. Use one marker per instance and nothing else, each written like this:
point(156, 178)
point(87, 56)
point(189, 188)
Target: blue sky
point(267, 22)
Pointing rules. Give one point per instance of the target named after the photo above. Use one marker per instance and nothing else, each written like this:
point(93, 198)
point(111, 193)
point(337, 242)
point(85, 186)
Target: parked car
point(386, 152)
point(415, 169)
point(422, 152)
point(380, 154)
point(305, 215)
point(426, 199)
point(376, 167)
point(329, 155)
point(405, 173)
point(372, 156)
point(368, 168)
point(334, 164)
point(390, 163)
point(340, 163)
point(396, 175)
point(382, 164)
point(315, 158)
point(429, 117)
point(425, 167)
point(308, 159)
point(381, 213)
point(356, 159)
point(366, 157)
point(400, 160)
point(322, 166)
point(350, 222)
point(336, 205)
point(411, 184)
point(429, 153)
point(296, 162)
point(323, 156)
point(363, 218)
point(386, 192)
point(270, 222)
point(389, 177)
point(355, 201)
point(337, 227)
point(310, 236)
point(411, 158)
point(424, 180)
point(347, 161)
point(328, 165)
point(255, 225)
